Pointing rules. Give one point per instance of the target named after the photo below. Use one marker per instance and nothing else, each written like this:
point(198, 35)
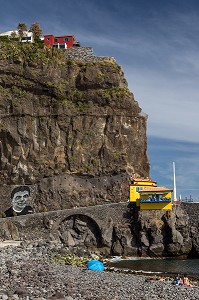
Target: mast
point(174, 183)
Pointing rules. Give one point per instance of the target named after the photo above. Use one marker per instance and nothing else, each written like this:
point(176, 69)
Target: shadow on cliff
point(125, 237)
point(80, 232)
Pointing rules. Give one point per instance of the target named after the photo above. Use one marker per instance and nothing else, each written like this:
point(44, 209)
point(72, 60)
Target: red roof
point(143, 179)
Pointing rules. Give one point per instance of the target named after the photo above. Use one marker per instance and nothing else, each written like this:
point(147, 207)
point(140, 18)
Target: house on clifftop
point(63, 41)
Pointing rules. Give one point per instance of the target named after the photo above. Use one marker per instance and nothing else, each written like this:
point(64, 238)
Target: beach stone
point(21, 292)
point(15, 297)
point(57, 295)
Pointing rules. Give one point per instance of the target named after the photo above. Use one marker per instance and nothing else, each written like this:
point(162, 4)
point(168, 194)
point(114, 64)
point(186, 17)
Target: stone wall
point(192, 210)
point(6, 191)
point(63, 187)
point(85, 54)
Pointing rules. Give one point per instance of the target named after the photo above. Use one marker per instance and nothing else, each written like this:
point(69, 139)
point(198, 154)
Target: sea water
point(164, 266)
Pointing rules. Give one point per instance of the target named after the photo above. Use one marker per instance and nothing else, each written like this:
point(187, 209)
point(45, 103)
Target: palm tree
point(36, 30)
point(22, 28)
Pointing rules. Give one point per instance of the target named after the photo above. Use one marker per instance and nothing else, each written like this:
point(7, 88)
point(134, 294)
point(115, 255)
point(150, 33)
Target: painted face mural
point(19, 200)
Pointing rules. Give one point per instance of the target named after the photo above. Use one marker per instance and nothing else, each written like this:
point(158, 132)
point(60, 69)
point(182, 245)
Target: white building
point(27, 36)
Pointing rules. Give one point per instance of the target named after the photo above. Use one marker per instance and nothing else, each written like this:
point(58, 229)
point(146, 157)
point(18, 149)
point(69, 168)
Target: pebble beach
point(28, 272)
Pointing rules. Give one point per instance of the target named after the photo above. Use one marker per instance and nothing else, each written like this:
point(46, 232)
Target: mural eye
point(18, 198)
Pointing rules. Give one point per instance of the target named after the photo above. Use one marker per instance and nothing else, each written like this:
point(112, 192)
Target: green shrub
point(4, 39)
point(71, 62)
point(72, 260)
point(2, 214)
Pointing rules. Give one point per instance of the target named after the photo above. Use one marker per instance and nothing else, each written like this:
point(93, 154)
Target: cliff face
point(70, 129)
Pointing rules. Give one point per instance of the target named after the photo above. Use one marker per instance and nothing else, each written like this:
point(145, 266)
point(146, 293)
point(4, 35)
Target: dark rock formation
point(71, 129)
point(163, 233)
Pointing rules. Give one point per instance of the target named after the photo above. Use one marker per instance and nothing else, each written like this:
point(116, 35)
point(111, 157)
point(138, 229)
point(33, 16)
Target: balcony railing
point(167, 200)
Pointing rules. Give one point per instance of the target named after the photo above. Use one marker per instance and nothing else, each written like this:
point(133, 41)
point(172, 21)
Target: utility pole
point(174, 183)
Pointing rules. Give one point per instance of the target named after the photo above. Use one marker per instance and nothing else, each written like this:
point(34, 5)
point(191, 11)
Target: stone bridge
point(72, 227)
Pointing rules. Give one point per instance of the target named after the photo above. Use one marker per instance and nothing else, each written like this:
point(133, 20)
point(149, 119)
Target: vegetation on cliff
point(91, 75)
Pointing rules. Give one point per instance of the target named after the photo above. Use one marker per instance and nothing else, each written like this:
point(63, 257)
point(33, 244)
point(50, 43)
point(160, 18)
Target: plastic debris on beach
point(95, 265)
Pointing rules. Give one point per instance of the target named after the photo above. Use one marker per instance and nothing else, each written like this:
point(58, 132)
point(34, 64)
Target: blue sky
point(156, 43)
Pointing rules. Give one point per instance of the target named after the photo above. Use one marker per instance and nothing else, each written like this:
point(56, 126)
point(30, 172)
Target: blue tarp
point(95, 265)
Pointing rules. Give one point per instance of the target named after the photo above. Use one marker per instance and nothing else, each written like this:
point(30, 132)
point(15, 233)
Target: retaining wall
point(85, 54)
point(192, 210)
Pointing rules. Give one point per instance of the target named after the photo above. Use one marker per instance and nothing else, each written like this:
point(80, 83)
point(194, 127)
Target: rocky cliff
point(69, 127)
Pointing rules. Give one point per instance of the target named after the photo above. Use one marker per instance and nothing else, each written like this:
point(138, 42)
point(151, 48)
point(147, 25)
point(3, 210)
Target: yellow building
point(137, 185)
point(147, 195)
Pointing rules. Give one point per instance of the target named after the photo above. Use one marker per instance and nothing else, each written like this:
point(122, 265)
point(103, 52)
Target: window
point(62, 46)
point(26, 39)
point(55, 46)
point(56, 40)
point(139, 188)
point(66, 39)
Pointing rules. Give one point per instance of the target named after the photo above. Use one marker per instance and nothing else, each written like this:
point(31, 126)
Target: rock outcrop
point(161, 233)
point(70, 128)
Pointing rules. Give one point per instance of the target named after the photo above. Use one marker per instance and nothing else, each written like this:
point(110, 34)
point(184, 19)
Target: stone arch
point(80, 233)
